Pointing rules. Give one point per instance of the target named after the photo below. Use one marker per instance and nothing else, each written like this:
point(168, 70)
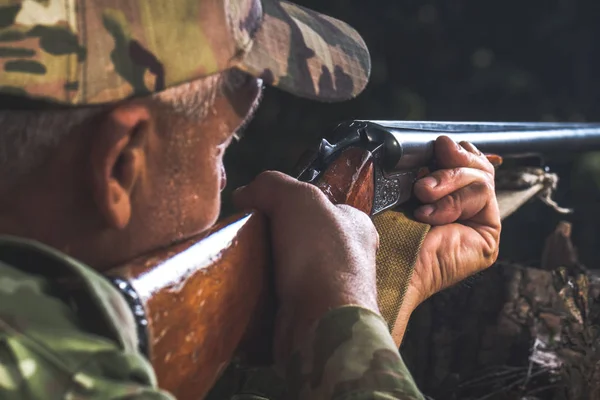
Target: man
point(115, 116)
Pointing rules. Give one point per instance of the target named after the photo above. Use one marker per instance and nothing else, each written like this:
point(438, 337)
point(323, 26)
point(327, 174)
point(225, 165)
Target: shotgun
point(202, 302)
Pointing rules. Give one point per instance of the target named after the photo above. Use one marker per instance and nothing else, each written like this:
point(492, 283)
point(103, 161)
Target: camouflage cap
point(77, 52)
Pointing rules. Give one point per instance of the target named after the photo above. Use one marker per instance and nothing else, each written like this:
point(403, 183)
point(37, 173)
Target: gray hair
point(27, 138)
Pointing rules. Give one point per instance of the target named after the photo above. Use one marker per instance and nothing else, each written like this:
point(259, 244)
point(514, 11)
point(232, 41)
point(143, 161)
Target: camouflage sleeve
point(351, 355)
point(44, 354)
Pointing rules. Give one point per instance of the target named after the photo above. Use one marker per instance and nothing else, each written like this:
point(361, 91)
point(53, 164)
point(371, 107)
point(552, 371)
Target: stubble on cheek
point(195, 189)
point(192, 164)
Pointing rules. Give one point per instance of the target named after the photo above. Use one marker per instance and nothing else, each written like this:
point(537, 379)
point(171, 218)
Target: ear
point(118, 160)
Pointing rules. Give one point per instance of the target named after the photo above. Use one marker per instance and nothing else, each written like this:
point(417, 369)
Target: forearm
point(349, 355)
point(410, 302)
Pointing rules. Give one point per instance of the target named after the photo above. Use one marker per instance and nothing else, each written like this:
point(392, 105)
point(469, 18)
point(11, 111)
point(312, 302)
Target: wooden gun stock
point(209, 298)
point(200, 298)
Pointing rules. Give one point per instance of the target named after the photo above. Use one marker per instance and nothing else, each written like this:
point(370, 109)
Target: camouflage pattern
point(352, 355)
point(77, 52)
point(47, 350)
point(349, 356)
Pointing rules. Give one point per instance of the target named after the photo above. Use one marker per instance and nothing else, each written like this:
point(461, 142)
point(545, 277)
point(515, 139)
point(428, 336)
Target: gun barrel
point(506, 139)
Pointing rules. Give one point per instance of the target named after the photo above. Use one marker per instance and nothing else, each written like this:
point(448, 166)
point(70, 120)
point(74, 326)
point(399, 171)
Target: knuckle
point(353, 213)
point(476, 150)
point(312, 189)
point(481, 186)
point(364, 219)
point(450, 202)
point(308, 191)
point(490, 186)
point(268, 178)
point(487, 166)
point(485, 187)
point(359, 219)
point(375, 239)
point(279, 182)
point(285, 192)
point(474, 161)
point(494, 256)
point(269, 184)
point(491, 256)
point(492, 248)
point(366, 222)
point(449, 175)
point(374, 235)
point(371, 234)
point(345, 209)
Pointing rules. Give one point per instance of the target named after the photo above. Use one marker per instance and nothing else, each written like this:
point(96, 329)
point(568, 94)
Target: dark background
point(511, 60)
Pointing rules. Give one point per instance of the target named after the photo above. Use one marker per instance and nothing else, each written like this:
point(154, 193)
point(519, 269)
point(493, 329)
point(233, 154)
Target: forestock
point(206, 300)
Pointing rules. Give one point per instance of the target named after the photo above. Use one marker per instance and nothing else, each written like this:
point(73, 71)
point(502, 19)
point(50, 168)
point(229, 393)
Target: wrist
point(411, 300)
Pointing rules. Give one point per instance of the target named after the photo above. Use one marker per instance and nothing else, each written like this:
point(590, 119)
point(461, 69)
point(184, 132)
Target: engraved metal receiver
point(401, 149)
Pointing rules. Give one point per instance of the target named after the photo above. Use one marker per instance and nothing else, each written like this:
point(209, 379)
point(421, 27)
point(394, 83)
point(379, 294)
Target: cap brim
point(308, 54)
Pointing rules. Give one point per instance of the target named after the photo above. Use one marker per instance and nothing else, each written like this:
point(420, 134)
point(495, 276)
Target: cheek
point(188, 202)
point(202, 192)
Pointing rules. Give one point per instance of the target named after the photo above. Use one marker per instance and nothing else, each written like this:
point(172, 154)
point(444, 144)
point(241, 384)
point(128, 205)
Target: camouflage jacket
point(47, 351)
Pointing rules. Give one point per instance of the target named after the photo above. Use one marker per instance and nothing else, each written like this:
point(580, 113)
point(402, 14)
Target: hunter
point(114, 119)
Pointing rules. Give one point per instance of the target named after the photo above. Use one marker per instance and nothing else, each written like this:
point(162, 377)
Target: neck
point(44, 209)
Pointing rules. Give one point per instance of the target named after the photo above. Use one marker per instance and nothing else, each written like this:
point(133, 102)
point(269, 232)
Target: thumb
point(243, 198)
point(264, 193)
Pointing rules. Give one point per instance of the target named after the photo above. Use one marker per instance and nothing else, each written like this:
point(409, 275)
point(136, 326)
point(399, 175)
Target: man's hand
point(324, 254)
point(460, 204)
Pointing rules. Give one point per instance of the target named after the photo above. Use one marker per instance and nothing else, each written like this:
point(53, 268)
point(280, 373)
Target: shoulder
point(73, 284)
point(26, 302)
point(45, 351)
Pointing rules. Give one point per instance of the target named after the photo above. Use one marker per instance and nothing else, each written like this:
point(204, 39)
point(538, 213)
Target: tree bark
point(512, 332)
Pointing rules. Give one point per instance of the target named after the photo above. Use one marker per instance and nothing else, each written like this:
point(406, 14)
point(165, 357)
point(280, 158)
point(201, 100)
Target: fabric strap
point(400, 239)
